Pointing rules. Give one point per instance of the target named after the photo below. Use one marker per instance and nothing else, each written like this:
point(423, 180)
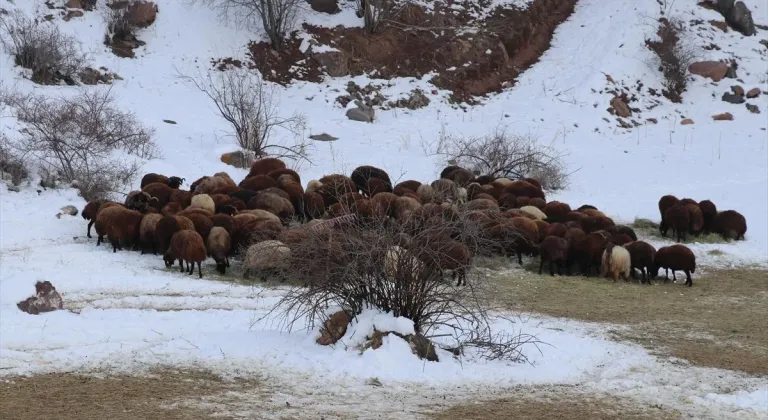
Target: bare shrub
point(84, 140)
point(12, 166)
point(395, 267)
point(501, 154)
point(674, 55)
point(277, 17)
point(119, 23)
point(250, 106)
point(377, 14)
point(40, 47)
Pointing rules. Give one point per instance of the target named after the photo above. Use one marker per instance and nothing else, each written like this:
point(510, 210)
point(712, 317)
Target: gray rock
point(740, 18)
point(753, 108)
point(724, 6)
point(70, 210)
point(334, 62)
point(733, 98)
point(323, 137)
point(361, 113)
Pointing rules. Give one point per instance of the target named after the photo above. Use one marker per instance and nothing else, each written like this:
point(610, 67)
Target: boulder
point(72, 14)
point(73, 4)
point(753, 108)
point(323, 137)
point(737, 90)
point(714, 70)
point(333, 62)
point(686, 121)
point(361, 112)
point(740, 19)
point(732, 98)
point(753, 93)
point(143, 13)
point(620, 107)
point(46, 299)
point(725, 116)
point(334, 328)
point(325, 6)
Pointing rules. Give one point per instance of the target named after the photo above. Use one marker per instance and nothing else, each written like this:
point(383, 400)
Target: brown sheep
point(265, 166)
point(364, 176)
point(462, 177)
point(257, 183)
point(139, 201)
point(676, 258)
point(147, 232)
point(203, 224)
point(678, 219)
point(123, 225)
point(685, 201)
point(90, 211)
point(557, 229)
point(483, 204)
point(347, 199)
point(543, 229)
point(186, 246)
point(665, 203)
point(404, 206)
point(575, 216)
point(508, 201)
point(335, 186)
point(312, 206)
point(619, 239)
point(225, 221)
point(210, 184)
point(626, 230)
point(274, 204)
point(410, 185)
point(527, 235)
point(445, 190)
point(250, 229)
point(103, 216)
point(167, 226)
point(557, 211)
point(444, 253)
point(484, 196)
point(523, 200)
point(595, 223)
point(184, 198)
point(533, 181)
point(730, 224)
point(276, 191)
point(218, 246)
point(695, 219)
point(485, 179)
point(709, 212)
point(537, 202)
point(243, 195)
point(589, 252)
point(162, 192)
point(524, 188)
point(173, 182)
point(384, 204)
point(170, 209)
point(586, 207)
point(447, 170)
point(276, 174)
point(643, 256)
point(195, 210)
point(554, 250)
point(574, 237)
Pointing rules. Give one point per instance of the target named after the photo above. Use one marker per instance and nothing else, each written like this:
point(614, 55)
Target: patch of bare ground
point(468, 63)
point(160, 394)
point(719, 322)
point(555, 403)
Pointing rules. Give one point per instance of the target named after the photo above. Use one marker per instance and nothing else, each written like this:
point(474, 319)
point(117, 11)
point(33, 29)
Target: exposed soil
point(505, 44)
point(719, 322)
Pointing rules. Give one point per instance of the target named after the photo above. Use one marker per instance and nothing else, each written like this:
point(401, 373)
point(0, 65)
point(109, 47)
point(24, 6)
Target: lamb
point(675, 257)
point(730, 224)
point(186, 246)
point(147, 232)
point(643, 256)
point(665, 203)
point(616, 261)
point(533, 212)
point(203, 201)
point(218, 245)
point(444, 253)
point(678, 219)
point(173, 182)
point(266, 257)
point(554, 250)
point(709, 212)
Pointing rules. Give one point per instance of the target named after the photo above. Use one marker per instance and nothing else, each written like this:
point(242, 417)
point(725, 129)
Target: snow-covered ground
point(133, 313)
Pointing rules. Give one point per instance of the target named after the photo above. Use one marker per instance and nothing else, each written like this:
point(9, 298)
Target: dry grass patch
point(162, 394)
point(719, 322)
point(649, 228)
point(558, 404)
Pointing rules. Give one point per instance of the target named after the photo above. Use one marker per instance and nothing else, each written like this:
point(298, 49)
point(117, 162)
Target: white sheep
point(203, 201)
point(616, 261)
point(313, 186)
point(533, 212)
point(266, 257)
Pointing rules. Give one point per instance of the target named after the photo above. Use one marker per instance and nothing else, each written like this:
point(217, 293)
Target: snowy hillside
point(130, 313)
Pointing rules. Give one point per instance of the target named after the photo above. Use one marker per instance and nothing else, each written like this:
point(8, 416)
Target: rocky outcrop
point(714, 70)
point(738, 16)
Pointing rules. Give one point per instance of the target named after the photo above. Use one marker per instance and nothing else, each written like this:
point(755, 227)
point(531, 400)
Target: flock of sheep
point(269, 211)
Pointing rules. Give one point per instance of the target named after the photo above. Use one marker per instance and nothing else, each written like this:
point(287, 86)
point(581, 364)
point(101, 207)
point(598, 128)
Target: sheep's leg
point(645, 278)
point(226, 260)
point(541, 266)
point(199, 269)
point(99, 240)
point(181, 265)
point(191, 267)
point(666, 275)
point(688, 281)
point(246, 272)
point(115, 245)
point(552, 268)
point(625, 276)
point(154, 248)
point(89, 227)
point(519, 258)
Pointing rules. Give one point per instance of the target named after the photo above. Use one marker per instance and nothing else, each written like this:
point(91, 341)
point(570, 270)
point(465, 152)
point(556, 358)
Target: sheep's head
point(169, 260)
point(175, 182)
point(228, 209)
point(44, 287)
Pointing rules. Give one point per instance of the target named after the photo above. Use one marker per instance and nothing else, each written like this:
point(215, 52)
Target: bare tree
point(396, 266)
point(377, 14)
point(40, 47)
point(277, 17)
point(501, 154)
point(250, 106)
point(84, 139)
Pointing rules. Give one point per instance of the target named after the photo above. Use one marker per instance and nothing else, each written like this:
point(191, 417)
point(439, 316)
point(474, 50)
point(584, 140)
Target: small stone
point(169, 121)
point(733, 98)
point(73, 4)
point(753, 108)
point(737, 90)
point(652, 120)
point(753, 93)
point(725, 116)
point(72, 13)
point(686, 121)
point(70, 210)
point(719, 25)
point(323, 137)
